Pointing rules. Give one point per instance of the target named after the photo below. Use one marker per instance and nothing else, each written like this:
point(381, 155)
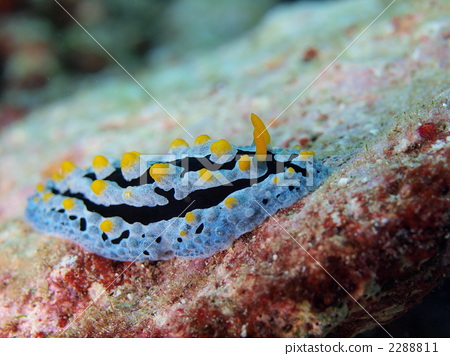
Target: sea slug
point(191, 203)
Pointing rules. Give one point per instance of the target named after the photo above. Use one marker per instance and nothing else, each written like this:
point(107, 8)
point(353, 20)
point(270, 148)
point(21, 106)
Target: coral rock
point(371, 239)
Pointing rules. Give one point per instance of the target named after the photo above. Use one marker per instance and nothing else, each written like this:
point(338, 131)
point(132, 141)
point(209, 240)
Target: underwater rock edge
point(371, 230)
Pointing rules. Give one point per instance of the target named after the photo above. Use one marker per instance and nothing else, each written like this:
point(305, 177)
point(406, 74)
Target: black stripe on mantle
point(199, 199)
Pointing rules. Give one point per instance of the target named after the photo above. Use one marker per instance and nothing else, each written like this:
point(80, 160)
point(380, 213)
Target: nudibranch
point(191, 203)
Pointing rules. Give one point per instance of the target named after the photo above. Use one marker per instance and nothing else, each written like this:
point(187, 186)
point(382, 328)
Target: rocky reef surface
point(379, 115)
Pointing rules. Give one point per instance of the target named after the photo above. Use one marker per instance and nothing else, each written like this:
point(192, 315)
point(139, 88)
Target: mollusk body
point(191, 203)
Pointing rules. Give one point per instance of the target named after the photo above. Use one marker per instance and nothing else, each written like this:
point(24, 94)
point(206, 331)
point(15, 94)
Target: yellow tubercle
point(220, 148)
point(106, 225)
point(99, 163)
point(183, 233)
point(177, 143)
point(304, 154)
point(200, 140)
point(127, 193)
point(40, 188)
point(47, 196)
point(261, 147)
point(190, 217)
point(244, 163)
point(290, 171)
point(129, 160)
point(99, 186)
point(260, 128)
point(68, 203)
point(159, 170)
point(57, 177)
point(276, 179)
point(67, 167)
point(206, 175)
point(230, 202)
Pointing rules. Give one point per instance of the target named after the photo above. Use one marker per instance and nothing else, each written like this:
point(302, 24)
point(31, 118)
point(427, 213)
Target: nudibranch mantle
point(191, 203)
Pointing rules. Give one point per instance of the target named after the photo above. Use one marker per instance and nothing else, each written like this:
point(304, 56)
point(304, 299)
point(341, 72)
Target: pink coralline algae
point(430, 131)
